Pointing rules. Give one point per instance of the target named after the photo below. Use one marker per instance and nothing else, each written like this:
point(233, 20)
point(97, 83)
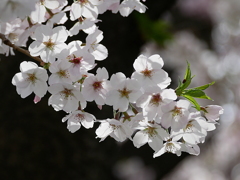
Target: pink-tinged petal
point(88, 121)
point(76, 11)
point(60, 34)
point(19, 80)
point(102, 73)
point(73, 126)
point(183, 104)
point(104, 130)
point(156, 143)
point(162, 133)
point(26, 66)
point(140, 139)
point(96, 2)
point(36, 48)
point(40, 88)
point(100, 52)
point(90, 11)
point(51, 4)
point(38, 16)
point(168, 94)
point(36, 99)
point(166, 120)
point(159, 76)
point(41, 74)
point(42, 33)
point(160, 152)
point(26, 91)
point(157, 61)
point(140, 63)
point(189, 138)
point(117, 78)
point(121, 105)
point(120, 135)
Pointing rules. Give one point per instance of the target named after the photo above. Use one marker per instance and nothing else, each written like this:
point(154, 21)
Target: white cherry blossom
point(95, 87)
point(114, 128)
point(48, 42)
point(175, 115)
point(66, 97)
point(31, 79)
point(149, 72)
point(122, 91)
point(150, 133)
point(78, 118)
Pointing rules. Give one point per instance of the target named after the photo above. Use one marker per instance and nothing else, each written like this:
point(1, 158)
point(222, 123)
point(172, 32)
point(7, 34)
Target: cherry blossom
point(96, 87)
point(48, 42)
point(148, 71)
point(77, 118)
point(31, 79)
point(175, 114)
point(114, 128)
point(150, 133)
point(122, 91)
point(65, 97)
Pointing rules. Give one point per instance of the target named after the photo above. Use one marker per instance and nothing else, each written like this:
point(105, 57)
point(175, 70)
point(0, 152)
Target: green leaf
point(196, 93)
point(186, 82)
point(193, 101)
point(204, 86)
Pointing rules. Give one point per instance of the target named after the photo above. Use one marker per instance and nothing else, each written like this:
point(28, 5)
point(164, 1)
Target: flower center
point(176, 111)
point(32, 78)
point(124, 92)
point(97, 85)
point(82, 2)
point(189, 127)
point(151, 131)
point(156, 99)
point(49, 44)
point(62, 73)
point(170, 147)
point(79, 117)
point(147, 73)
point(76, 60)
point(67, 93)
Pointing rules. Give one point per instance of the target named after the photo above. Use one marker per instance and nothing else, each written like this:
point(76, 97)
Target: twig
point(8, 43)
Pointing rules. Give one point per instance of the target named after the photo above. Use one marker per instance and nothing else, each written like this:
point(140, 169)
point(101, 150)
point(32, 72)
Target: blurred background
point(35, 144)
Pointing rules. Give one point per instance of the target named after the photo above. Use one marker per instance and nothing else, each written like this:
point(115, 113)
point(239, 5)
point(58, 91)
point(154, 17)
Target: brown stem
point(8, 43)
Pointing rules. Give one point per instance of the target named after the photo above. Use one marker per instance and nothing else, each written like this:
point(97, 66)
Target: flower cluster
point(145, 110)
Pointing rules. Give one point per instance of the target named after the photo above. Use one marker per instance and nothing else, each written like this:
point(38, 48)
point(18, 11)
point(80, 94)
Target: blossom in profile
point(31, 79)
point(78, 118)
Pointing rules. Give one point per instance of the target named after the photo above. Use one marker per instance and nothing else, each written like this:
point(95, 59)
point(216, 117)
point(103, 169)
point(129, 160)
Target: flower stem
point(8, 43)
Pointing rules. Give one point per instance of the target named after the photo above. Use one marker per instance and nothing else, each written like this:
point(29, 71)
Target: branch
point(8, 43)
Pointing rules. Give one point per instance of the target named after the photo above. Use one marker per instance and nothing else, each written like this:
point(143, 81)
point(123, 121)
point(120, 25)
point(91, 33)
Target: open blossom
point(212, 112)
point(38, 16)
point(65, 97)
point(99, 51)
point(153, 99)
point(114, 128)
point(48, 42)
point(175, 115)
point(60, 74)
point(85, 24)
point(122, 91)
point(127, 6)
point(77, 118)
point(149, 72)
point(195, 131)
point(31, 79)
point(85, 8)
point(95, 87)
point(151, 133)
point(170, 147)
point(10, 9)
